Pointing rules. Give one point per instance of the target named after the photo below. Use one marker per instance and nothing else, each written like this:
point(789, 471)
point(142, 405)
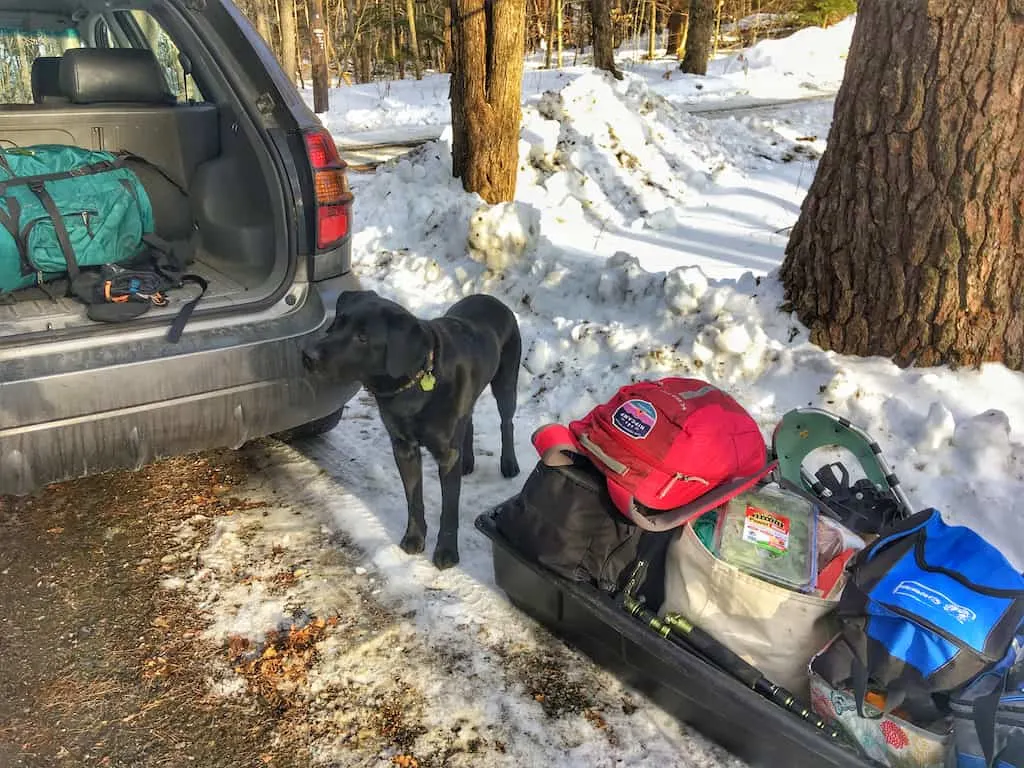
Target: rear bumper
point(105, 404)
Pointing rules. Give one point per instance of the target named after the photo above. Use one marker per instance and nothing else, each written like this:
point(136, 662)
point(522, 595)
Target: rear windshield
point(19, 48)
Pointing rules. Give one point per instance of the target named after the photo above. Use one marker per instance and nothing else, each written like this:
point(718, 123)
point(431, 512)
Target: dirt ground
point(102, 665)
point(98, 664)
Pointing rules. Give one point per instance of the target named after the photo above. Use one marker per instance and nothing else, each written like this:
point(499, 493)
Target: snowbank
point(807, 63)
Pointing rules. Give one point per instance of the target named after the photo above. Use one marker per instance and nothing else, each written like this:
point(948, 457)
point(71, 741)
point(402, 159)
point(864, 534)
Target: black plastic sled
point(684, 684)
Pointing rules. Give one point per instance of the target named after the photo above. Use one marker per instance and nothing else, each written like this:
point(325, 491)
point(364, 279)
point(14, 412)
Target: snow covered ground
point(805, 65)
point(643, 242)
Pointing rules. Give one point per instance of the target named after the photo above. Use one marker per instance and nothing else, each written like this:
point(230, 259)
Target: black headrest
point(107, 75)
point(46, 80)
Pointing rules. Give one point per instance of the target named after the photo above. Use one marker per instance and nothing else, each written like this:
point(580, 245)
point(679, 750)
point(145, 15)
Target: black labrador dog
point(426, 376)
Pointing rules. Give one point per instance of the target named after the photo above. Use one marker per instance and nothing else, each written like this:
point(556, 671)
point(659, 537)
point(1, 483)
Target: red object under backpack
point(675, 445)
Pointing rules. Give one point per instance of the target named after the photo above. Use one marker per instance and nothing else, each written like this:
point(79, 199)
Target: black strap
point(985, 707)
point(126, 155)
point(178, 324)
point(39, 189)
point(10, 219)
point(169, 262)
point(86, 170)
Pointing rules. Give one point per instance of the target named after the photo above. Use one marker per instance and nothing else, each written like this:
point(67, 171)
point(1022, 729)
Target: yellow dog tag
point(427, 382)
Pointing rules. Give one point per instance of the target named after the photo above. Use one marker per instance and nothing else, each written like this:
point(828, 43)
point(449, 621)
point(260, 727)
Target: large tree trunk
point(289, 39)
point(604, 36)
point(910, 243)
point(698, 37)
point(486, 90)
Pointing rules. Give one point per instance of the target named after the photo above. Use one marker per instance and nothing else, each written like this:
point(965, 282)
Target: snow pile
point(500, 235)
point(814, 57)
point(808, 63)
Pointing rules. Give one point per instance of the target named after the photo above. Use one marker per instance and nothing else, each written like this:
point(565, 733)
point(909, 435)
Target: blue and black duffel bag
point(927, 609)
point(62, 208)
point(988, 718)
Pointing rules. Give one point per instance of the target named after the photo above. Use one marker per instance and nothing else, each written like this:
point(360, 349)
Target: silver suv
point(266, 211)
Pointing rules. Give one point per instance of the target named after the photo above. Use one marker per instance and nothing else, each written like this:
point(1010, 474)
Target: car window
point(18, 49)
point(139, 29)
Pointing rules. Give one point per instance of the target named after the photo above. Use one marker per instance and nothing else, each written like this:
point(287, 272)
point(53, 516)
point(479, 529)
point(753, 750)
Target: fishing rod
point(684, 634)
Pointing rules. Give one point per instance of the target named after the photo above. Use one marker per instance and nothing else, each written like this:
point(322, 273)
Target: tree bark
point(486, 91)
point(558, 31)
point(263, 25)
point(652, 31)
point(289, 54)
point(414, 47)
point(549, 34)
point(604, 36)
point(698, 38)
point(318, 56)
point(448, 55)
point(910, 243)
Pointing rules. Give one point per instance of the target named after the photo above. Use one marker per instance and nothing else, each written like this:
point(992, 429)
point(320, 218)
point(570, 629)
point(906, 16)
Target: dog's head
point(371, 337)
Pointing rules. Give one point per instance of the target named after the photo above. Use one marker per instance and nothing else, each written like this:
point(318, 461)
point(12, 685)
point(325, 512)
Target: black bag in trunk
point(564, 520)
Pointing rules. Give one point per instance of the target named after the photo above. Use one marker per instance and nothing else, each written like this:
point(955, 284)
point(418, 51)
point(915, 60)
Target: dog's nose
point(310, 359)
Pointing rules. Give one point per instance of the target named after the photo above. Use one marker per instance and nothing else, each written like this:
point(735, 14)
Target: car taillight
point(333, 197)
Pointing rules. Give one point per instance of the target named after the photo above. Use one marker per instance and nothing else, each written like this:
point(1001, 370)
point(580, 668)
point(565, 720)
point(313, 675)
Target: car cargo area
point(200, 170)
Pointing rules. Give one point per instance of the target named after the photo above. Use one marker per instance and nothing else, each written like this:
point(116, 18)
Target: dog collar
point(424, 377)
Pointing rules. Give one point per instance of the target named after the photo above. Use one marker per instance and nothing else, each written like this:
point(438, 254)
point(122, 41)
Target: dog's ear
point(407, 346)
point(348, 299)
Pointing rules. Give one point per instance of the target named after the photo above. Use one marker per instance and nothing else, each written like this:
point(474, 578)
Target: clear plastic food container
point(770, 533)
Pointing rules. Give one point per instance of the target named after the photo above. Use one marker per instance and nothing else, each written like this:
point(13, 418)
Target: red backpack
point(672, 444)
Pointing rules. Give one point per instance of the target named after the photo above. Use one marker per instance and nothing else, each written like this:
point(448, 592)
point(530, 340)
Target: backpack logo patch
point(915, 590)
point(635, 418)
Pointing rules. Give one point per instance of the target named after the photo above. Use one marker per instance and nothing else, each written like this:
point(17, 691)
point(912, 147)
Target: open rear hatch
point(117, 81)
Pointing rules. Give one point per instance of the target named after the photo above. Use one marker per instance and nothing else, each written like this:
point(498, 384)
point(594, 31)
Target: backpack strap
point(170, 262)
point(9, 220)
point(124, 155)
point(38, 187)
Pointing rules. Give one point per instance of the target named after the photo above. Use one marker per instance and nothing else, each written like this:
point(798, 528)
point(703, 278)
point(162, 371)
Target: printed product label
point(766, 530)
point(635, 418)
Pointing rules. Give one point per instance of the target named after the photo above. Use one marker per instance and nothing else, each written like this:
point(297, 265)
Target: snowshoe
point(866, 505)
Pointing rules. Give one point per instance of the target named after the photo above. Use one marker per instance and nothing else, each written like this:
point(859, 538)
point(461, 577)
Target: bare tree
point(318, 55)
point(698, 37)
point(486, 91)
point(414, 47)
point(604, 36)
point(652, 30)
point(910, 243)
point(289, 38)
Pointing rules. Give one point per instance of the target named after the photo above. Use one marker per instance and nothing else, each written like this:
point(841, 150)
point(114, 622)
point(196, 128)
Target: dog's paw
point(413, 543)
point(509, 466)
point(445, 557)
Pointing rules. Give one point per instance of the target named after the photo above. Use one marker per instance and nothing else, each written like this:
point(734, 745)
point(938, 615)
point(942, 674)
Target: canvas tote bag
point(775, 629)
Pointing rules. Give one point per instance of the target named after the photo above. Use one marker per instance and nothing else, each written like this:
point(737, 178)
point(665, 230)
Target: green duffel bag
point(64, 207)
